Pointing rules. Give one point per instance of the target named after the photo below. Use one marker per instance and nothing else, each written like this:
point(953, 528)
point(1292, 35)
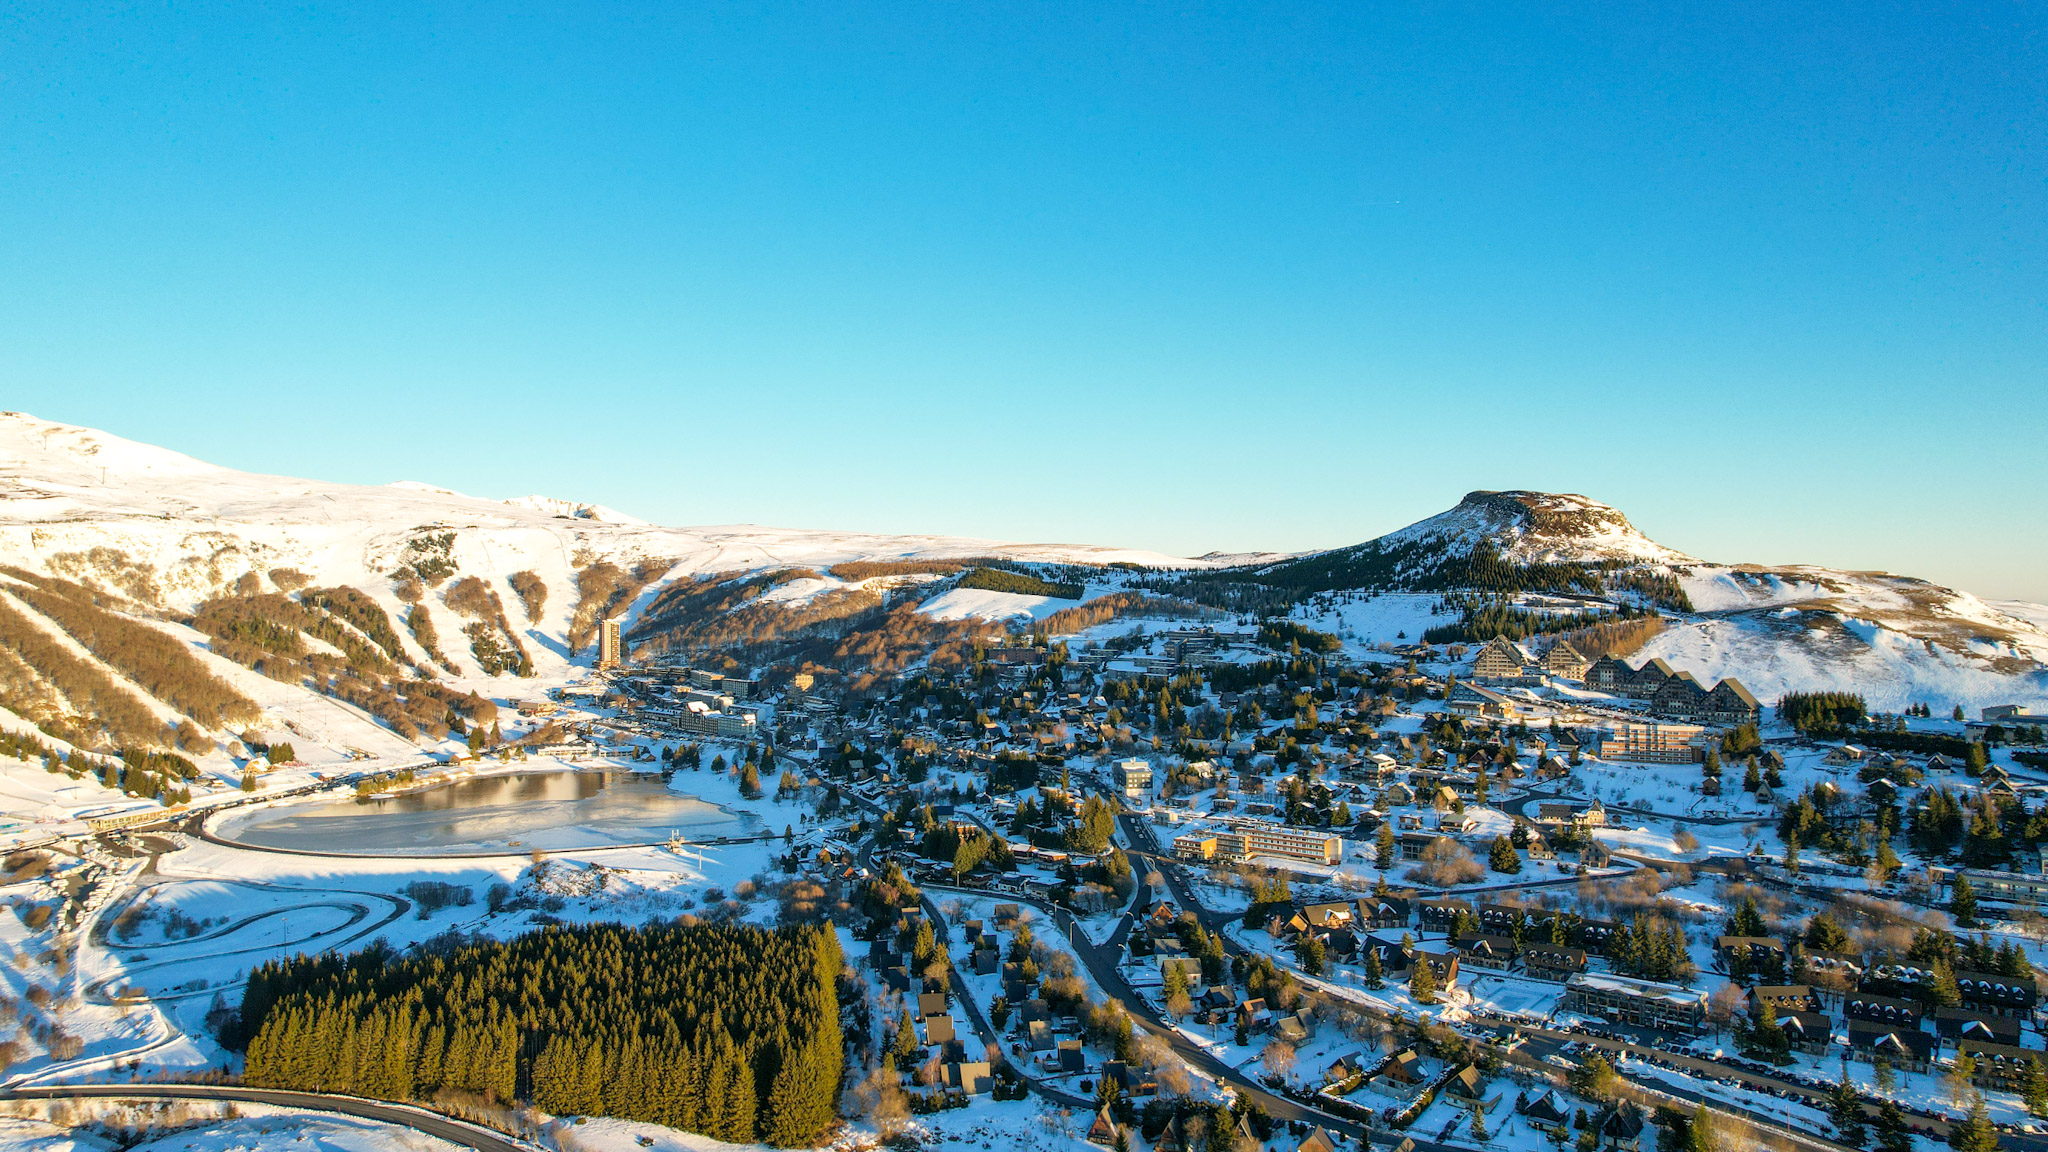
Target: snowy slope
point(166, 532)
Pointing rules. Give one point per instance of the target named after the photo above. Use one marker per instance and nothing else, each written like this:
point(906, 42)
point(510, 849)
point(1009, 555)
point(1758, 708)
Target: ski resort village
point(390, 817)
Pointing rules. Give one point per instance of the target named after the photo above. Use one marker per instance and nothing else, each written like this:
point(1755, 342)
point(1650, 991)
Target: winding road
point(432, 1123)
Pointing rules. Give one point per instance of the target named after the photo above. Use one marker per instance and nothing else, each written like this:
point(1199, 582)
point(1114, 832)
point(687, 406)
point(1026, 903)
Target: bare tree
point(1278, 1057)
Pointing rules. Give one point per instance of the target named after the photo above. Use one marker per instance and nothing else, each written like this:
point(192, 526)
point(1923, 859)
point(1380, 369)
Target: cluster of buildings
point(1676, 695)
point(1886, 1018)
point(1248, 839)
point(694, 702)
point(1670, 694)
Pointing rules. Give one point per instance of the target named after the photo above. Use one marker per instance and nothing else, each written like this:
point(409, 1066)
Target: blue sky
point(1769, 278)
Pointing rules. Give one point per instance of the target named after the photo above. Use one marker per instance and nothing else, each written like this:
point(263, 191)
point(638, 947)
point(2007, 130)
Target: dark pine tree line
point(731, 1031)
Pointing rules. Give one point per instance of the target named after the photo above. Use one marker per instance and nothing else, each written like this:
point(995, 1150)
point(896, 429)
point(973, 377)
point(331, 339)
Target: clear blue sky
point(1770, 278)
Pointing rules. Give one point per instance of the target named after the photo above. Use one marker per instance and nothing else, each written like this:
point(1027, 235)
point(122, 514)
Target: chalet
point(1751, 950)
point(1317, 1140)
point(1383, 911)
point(1254, 1016)
point(1321, 916)
point(1782, 998)
point(1344, 1068)
point(1885, 1010)
point(1998, 995)
point(931, 1003)
point(1502, 919)
point(1550, 1113)
point(1556, 962)
point(1566, 662)
point(1595, 935)
point(973, 1078)
point(1622, 1128)
point(939, 1030)
point(1483, 951)
point(1439, 914)
point(1466, 1089)
point(1443, 964)
point(1105, 1130)
point(1962, 1024)
point(1296, 1028)
point(1906, 1048)
point(2003, 1067)
point(1401, 1077)
point(1809, 1032)
point(1475, 701)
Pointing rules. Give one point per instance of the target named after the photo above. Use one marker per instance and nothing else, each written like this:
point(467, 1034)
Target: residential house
point(1401, 1077)
point(1466, 1089)
point(1438, 914)
point(1104, 1130)
point(1296, 1028)
point(2002, 1067)
point(1344, 1068)
point(1957, 1024)
point(1908, 1049)
point(1548, 1113)
point(1622, 1128)
point(1809, 1032)
point(1383, 911)
point(1998, 995)
point(972, 1077)
point(1886, 1010)
point(1502, 919)
point(1557, 962)
point(1254, 1016)
point(1068, 1057)
point(1317, 1140)
point(1782, 998)
point(1486, 951)
point(1755, 951)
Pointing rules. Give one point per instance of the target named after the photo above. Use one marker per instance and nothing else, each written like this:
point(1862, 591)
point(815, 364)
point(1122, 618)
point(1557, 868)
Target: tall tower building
point(609, 646)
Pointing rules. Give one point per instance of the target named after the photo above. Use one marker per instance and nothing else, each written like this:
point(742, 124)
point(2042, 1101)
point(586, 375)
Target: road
point(432, 1123)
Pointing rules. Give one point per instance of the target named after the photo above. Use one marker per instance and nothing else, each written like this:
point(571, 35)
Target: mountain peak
point(1540, 527)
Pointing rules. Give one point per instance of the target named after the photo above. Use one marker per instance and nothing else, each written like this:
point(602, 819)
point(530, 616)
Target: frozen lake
point(553, 811)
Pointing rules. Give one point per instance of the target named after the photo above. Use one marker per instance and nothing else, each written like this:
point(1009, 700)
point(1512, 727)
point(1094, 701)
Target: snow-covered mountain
point(345, 613)
point(155, 535)
point(1895, 639)
point(1536, 528)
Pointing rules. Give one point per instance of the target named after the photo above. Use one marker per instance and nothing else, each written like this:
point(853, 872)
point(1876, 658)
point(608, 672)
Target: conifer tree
point(1422, 983)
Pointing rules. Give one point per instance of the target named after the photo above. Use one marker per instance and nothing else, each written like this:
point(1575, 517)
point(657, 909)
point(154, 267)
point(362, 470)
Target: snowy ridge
point(1537, 527)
